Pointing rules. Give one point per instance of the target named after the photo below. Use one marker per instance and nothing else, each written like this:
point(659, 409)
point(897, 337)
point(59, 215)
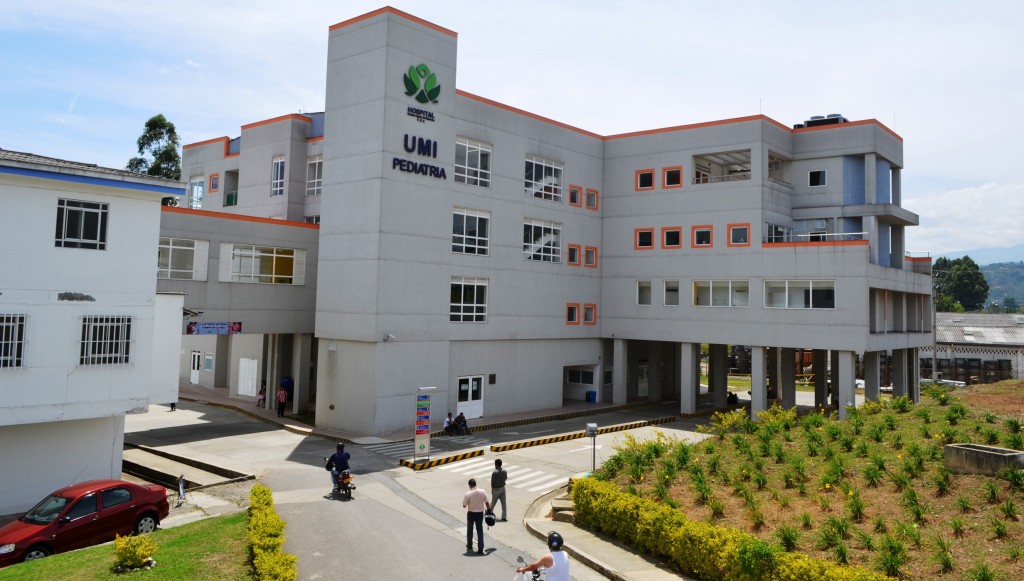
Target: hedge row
point(266, 538)
point(696, 548)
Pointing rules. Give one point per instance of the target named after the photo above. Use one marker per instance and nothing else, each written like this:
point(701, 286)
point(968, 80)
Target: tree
point(960, 281)
point(160, 143)
point(1010, 305)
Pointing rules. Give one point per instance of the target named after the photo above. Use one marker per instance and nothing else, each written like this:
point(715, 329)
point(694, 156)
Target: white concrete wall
point(166, 347)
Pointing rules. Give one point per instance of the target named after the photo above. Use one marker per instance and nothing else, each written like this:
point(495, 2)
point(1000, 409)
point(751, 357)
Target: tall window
point(195, 193)
point(800, 294)
point(277, 176)
point(468, 300)
point(721, 293)
point(81, 224)
point(214, 182)
point(592, 199)
point(472, 162)
point(176, 259)
point(643, 292)
point(314, 175)
point(575, 196)
point(542, 241)
point(589, 314)
point(543, 178)
point(12, 341)
point(470, 231)
point(590, 256)
point(262, 264)
point(106, 341)
point(572, 314)
point(671, 293)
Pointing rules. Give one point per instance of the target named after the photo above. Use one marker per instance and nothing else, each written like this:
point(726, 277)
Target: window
point(574, 251)
point(643, 239)
point(543, 179)
point(701, 176)
point(208, 362)
point(277, 176)
point(816, 178)
point(106, 341)
point(472, 162)
point(671, 293)
point(721, 293)
point(311, 219)
point(469, 300)
point(583, 376)
point(576, 196)
point(572, 313)
point(800, 294)
point(542, 241)
point(590, 256)
point(672, 177)
point(266, 264)
point(739, 235)
point(314, 175)
point(470, 231)
point(672, 237)
point(115, 496)
point(182, 259)
point(214, 182)
point(231, 198)
point(776, 233)
point(81, 224)
point(589, 314)
point(644, 179)
point(643, 292)
point(592, 199)
point(701, 236)
point(12, 341)
point(84, 507)
point(195, 193)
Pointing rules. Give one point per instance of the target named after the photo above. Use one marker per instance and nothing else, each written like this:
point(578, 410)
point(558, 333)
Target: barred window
point(106, 341)
point(543, 179)
point(470, 231)
point(314, 175)
point(81, 225)
point(262, 264)
point(472, 162)
point(468, 300)
point(542, 241)
point(12, 341)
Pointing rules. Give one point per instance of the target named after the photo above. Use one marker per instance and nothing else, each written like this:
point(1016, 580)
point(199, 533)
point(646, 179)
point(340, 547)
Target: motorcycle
point(344, 484)
point(524, 576)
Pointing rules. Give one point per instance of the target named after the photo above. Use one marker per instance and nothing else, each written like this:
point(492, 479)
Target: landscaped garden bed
point(871, 491)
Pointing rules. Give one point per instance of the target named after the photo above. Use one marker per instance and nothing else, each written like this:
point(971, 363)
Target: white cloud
point(985, 216)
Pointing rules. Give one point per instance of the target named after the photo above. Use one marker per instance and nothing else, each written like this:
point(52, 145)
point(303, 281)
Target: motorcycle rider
point(555, 563)
point(339, 463)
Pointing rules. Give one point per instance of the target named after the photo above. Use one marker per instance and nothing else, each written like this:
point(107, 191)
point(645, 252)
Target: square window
point(542, 241)
point(106, 341)
point(82, 224)
point(472, 162)
point(592, 199)
point(643, 239)
point(672, 177)
point(739, 235)
point(671, 293)
point(470, 231)
point(575, 196)
point(644, 179)
point(701, 236)
point(572, 314)
point(643, 292)
point(468, 300)
point(590, 256)
point(574, 255)
point(266, 264)
point(590, 315)
point(543, 179)
point(672, 237)
point(214, 182)
point(816, 178)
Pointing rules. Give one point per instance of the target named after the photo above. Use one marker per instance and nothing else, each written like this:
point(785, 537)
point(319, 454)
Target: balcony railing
point(816, 237)
point(718, 179)
point(775, 180)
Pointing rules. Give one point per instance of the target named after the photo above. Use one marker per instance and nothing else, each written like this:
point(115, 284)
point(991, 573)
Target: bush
point(133, 552)
point(266, 537)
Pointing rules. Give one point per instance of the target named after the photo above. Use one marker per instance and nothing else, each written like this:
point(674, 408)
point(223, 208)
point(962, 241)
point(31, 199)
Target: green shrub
point(1014, 426)
point(901, 404)
point(957, 525)
point(789, 537)
point(133, 551)
point(266, 537)
point(980, 573)
point(892, 556)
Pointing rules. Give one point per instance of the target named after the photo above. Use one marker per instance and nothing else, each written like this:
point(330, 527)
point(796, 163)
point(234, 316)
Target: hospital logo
point(422, 84)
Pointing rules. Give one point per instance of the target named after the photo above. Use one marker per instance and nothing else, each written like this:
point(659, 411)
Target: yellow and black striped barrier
point(424, 464)
point(579, 434)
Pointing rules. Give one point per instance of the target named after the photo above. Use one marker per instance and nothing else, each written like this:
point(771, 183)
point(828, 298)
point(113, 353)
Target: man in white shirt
point(475, 502)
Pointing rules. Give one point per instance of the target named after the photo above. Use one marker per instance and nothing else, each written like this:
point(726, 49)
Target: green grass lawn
point(213, 548)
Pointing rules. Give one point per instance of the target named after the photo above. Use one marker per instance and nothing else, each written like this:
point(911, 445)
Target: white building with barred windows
point(513, 262)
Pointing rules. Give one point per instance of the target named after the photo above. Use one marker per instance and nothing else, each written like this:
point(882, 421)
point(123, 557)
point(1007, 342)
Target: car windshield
point(47, 510)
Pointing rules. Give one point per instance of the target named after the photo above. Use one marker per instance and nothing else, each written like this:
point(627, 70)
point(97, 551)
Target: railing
point(780, 182)
point(726, 178)
point(816, 237)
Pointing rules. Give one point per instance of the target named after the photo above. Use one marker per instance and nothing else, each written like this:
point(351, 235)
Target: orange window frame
point(636, 238)
point(597, 199)
point(592, 307)
point(572, 314)
point(586, 251)
point(693, 236)
point(636, 179)
point(664, 177)
point(729, 241)
point(211, 188)
point(578, 191)
point(666, 230)
point(568, 254)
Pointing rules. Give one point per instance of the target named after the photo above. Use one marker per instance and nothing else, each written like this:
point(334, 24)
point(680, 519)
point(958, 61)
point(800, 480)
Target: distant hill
point(1005, 279)
point(989, 255)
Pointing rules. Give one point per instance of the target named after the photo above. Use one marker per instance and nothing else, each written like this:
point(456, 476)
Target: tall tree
point(158, 150)
point(959, 281)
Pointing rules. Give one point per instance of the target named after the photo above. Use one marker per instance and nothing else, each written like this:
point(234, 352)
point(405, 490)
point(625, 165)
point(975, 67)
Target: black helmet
point(554, 541)
point(341, 446)
point(489, 518)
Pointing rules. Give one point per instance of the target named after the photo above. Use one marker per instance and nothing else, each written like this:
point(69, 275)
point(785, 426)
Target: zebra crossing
point(405, 449)
point(522, 478)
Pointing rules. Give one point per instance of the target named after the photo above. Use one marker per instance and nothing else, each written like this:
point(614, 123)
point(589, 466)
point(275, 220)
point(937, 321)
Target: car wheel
point(36, 553)
point(146, 524)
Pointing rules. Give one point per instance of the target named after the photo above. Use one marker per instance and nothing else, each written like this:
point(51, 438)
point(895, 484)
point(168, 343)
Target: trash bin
point(591, 397)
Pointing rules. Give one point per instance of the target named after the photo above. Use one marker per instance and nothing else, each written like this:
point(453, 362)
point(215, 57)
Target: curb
point(579, 434)
point(439, 461)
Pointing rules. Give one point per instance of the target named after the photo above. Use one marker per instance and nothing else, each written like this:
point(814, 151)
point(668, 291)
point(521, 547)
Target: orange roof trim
point(487, 101)
point(396, 12)
point(226, 216)
point(225, 140)
point(294, 116)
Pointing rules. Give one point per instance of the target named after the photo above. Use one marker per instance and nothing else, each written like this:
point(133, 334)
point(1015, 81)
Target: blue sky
point(80, 79)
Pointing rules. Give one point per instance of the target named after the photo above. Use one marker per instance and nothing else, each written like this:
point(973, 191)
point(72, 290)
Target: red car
point(81, 515)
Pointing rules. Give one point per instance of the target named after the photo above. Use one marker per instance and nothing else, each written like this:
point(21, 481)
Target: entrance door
point(197, 364)
point(248, 376)
point(641, 379)
point(471, 396)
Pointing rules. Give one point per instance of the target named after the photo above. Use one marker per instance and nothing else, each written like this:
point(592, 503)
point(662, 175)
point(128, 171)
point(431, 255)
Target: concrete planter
point(978, 459)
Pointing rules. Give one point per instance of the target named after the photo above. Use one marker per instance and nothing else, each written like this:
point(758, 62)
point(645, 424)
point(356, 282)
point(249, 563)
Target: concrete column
point(843, 381)
point(620, 365)
point(787, 378)
point(273, 371)
point(870, 178)
point(655, 373)
point(898, 244)
point(833, 397)
point(774, 371)
point(870, 225)
point(301, 348)
point(718, 373)
point(872, 377)
point(820, 363)
point(914, 355)
point(689, 376)
point(899, 372)
point(758, 389)
point(897, 187)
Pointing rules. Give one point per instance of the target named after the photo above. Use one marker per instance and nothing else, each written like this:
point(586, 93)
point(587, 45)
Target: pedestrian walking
point(498, 478)
point(475, 502)
point(262, 397)
point(282, 400)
